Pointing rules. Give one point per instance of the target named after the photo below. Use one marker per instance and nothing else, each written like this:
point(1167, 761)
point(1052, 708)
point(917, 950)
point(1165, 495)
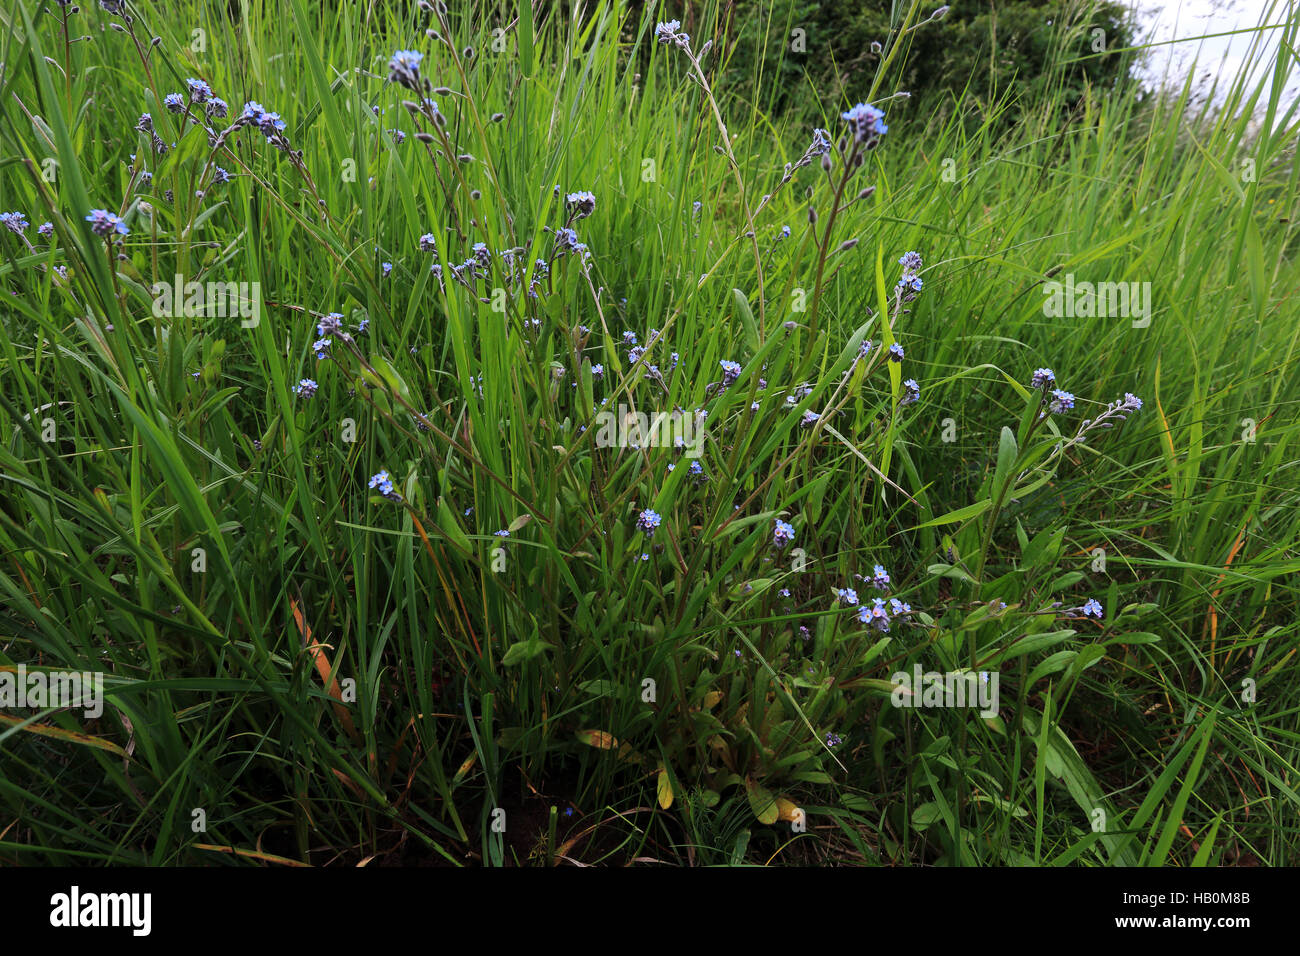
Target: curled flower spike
point(15, 222)
point(866, 124)
point(1042, 378)
point(912, 392)
point(331, 324)
point(199, 91)
point(174, 102)
point(404, 69)
point(670, 32)
point(820, 146)
point(582, 204)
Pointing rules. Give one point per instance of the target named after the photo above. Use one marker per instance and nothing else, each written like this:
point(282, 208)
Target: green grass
point(484, 679)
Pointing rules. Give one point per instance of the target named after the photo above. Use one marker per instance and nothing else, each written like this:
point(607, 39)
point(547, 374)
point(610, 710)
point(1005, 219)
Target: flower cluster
point(404, 69)
point(104, 223)
point(649, 521)
point(820, 146)
point(671, 32)
point(866, 125)
point(14, 222)
point(383, 482)
point(910, 282)
point(580, 204)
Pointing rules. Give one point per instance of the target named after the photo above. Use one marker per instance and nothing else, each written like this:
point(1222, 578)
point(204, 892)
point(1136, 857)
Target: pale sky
point(1192, 23)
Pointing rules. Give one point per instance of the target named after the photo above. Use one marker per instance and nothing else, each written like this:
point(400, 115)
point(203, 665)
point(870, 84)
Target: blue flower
point(880, 578)
point(174, 102)
point(1042, 378)
point(913, 392)
point(730, 372)
point(896, 353)
point(1062, 401)
point(670, 33)
point(200, 92)
point(846, 596)
point(648, 521)
point(270, 124)
point(103, 223)
point(321, 348)
point(783, 534)
point(876, 615)
point(384, 482)
point(305, 388)
point(582, 203)
point(330, 324)
point(866, 123)
point(1092, 608)
point(404, 68)
point(833, 739)
point(14, 222)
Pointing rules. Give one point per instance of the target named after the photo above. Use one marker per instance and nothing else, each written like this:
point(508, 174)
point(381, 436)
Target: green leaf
point(747, 317)
point(1007, 452)
point(961, 514)
point(525, 651)
point(761, 802)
